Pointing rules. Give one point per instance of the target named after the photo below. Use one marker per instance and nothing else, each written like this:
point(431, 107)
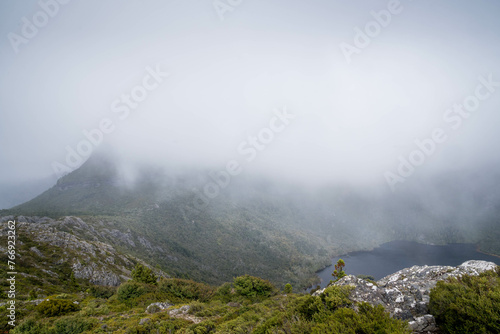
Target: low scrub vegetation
point(56, 307)
point(470, 304)
point(246, 305)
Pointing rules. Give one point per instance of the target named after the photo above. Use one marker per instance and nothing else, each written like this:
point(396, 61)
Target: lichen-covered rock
point(423, 324)
point(405, 294)
point(183, 313)
point(157, 307)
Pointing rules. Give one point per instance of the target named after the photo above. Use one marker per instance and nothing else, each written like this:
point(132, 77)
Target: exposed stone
point(123, 237)
point(95, 274)
point(36, 251)
point(36, 301)
point(423, 324)
point(145, 242)
point(144, 321)
point(157, 307)
point(182, 313)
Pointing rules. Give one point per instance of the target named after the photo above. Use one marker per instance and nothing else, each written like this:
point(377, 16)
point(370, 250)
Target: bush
point(224, 291)
point(368, 320)
point(130, 290)
point(468, 305)
point(73, 325)
point(288, 288)
point(30, 326)
point(250, 286)
point(143, 274)
point(95, 307)
point(32, 295)
point(307, 306)
point(179, 290)
point(335, 297)
point(196, 307)
point(98, 291)
point(56, 307)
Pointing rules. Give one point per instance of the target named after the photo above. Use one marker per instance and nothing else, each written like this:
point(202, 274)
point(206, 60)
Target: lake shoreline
point(478, 249)
point(395, 255)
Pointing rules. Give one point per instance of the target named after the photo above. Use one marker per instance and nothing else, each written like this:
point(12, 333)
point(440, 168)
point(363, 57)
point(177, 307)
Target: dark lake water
point(396, 255)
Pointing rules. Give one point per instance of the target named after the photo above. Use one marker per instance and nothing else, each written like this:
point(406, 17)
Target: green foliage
point(367, 320)
point(224, 291)
point(171, 325)
point(331, 312)
point(308, 306)
point(339, 272)
point(143, 274)
point(130, 290)
point(56, 307)
point(30, 326)
point(179, 290)
point(250, 286)
point(203, 328)
point(288, 288)
point(72, 280)
point(32, 295)
point(470, 304)
point(73, 325)
point(95, 307)
point(99, 291)
point(335, 297)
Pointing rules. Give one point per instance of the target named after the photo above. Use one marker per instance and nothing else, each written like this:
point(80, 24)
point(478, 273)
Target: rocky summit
point(405, 294)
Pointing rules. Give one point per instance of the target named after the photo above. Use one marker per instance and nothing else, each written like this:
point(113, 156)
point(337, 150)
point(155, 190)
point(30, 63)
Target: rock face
point(405, 294)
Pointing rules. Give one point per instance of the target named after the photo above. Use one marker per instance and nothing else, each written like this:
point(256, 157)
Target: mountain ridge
point(282, 232)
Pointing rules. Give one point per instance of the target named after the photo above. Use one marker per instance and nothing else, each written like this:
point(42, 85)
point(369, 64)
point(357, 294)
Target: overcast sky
point(356, 101)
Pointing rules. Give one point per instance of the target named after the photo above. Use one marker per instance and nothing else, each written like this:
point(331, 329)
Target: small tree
point(288, 288)
point(339, 272)
point(143, 274)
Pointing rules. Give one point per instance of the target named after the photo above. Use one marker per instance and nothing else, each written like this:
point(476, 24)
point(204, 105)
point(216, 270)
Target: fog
point(300, 90)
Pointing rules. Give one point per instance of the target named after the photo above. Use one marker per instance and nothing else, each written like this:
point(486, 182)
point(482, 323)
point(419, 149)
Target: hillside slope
point(281, 232)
